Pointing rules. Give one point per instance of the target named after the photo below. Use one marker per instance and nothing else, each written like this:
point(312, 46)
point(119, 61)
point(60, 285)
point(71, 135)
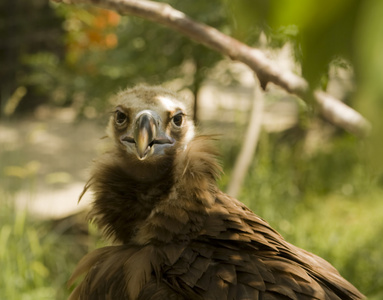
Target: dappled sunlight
point(316, 183)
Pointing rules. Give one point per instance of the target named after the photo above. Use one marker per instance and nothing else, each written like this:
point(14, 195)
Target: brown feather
point(182, 238)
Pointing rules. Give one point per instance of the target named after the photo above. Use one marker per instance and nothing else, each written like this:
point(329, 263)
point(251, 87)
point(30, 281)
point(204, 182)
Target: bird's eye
point(120, 118)
point(178, 119)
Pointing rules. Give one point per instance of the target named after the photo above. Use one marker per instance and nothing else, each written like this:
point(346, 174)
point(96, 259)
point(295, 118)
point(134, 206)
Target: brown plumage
point(179, 236)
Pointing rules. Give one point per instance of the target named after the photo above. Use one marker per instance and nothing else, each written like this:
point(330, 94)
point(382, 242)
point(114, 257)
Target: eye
point(120, 118)
point(178, 119)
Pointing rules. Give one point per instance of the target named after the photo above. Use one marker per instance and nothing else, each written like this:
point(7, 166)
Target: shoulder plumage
point(197, 169)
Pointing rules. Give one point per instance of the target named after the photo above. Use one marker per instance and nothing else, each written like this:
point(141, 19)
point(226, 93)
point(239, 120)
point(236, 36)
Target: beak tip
point(142, 153)
point(141, 157)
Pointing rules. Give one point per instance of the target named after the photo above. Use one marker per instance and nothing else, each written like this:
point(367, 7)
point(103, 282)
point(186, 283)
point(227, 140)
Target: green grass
point(326, 202)
point(36, 257)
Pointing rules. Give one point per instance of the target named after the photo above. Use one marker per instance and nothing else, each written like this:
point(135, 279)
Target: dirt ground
point(47, 162)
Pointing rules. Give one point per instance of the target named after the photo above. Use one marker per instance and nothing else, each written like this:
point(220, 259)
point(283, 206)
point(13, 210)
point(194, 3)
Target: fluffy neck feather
point(168, 208)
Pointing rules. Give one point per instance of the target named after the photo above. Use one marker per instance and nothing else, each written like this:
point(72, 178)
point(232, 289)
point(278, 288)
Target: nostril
point(164, 140)
point(128, 139)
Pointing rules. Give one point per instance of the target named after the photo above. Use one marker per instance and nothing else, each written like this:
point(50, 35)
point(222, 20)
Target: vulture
point(175, 234)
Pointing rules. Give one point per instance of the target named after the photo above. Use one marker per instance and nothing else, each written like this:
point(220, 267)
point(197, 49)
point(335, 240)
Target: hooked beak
point(146, 134)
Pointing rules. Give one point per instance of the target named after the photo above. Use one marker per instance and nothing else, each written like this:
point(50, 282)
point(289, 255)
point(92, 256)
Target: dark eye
point(120, 117)
point(177, 120)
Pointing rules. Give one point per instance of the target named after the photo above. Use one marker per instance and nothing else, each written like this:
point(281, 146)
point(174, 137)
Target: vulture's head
point(149, 126)
point(153, 154)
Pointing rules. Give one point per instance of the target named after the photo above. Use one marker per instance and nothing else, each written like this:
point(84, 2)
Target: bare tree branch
point(265, 69)
point(249, 144)
point(341, 115)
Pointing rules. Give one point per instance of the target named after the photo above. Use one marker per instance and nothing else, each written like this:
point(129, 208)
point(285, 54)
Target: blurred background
point(319, 186)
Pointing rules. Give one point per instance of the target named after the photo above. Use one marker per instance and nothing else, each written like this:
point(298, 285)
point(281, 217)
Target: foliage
point(369, 66)
point(26, 28)
point(34, 263)
point(320, 30)
point(37, 256)
point(326, 33)
point(105, 52)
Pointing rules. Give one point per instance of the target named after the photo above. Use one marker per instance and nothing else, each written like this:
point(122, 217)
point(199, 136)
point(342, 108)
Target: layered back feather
point(180, 237)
